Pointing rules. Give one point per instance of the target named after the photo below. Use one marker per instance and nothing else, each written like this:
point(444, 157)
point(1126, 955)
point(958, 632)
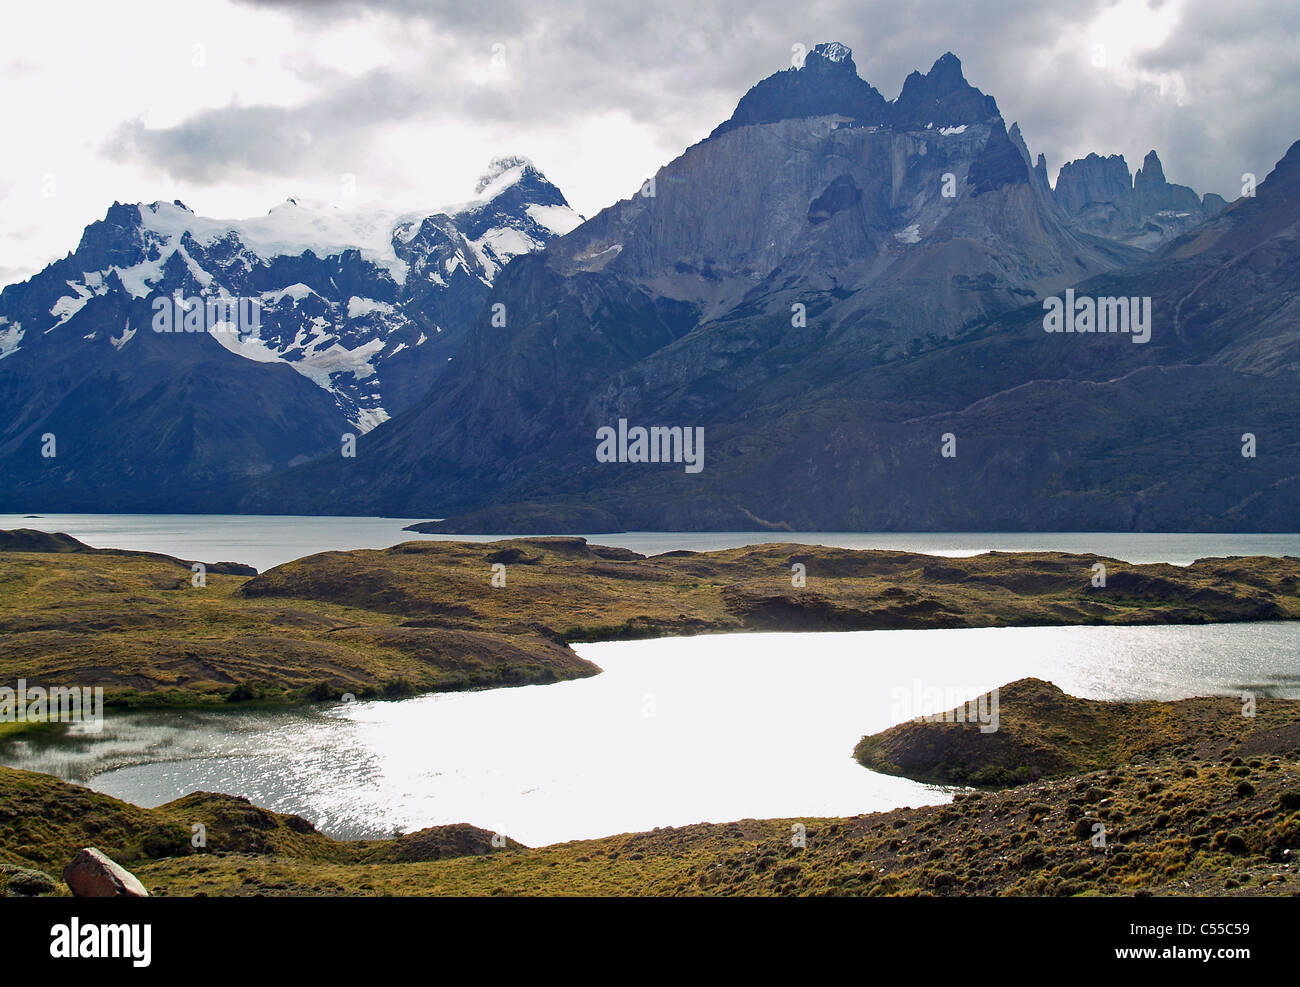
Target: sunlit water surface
point(674, 731)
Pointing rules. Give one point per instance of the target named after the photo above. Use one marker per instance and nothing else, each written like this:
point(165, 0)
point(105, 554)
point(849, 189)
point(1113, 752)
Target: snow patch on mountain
point(500, 175)
point(833, 51)
point(371, 418)
point(360, 307)
point(119, 341)
point(291, 229)
point(558, 219)
point(69, 305)
point(499, 246)
point(140, 279)
point(296, 291)
point(251, 347)
point(11, 335)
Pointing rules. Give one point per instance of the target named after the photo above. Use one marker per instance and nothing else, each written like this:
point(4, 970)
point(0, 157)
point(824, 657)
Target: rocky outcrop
point(1031, 729)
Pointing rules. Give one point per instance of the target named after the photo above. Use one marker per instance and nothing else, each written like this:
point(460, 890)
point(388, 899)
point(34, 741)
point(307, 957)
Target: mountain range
point(842, 294)
point(358, 314)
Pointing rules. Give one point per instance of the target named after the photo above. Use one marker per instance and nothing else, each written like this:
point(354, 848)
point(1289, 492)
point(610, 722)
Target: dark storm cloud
point(681, 66)
point(1240, 63)
point(232, 141)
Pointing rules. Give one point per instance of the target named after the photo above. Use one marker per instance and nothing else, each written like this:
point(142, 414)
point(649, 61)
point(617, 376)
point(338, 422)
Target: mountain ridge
point(675, 307)
point(356, 313)
point(828, 296)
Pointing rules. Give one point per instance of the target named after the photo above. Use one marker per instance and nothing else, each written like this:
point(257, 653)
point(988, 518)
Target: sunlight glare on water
point(674, 731)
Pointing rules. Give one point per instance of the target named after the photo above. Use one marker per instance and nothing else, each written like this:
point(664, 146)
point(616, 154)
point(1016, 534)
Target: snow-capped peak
point(343, 322)
point(501, 174)
point(290, 229)
point(833, 51)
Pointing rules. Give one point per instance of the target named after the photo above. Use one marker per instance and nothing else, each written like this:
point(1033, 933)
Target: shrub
point(241, 693)
point(165, 841)
point(22, 882)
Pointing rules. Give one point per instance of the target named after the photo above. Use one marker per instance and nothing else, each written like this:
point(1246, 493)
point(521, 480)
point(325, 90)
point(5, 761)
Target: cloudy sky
point(233, 105)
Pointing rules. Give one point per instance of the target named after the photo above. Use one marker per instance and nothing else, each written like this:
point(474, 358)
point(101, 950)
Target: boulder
point(93, 875)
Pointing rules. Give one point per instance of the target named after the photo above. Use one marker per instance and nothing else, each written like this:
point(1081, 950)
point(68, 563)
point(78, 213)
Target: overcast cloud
point(232, 106)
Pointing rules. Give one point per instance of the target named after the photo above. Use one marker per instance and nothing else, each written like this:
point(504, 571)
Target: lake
point(265, 541)
point(675, 731)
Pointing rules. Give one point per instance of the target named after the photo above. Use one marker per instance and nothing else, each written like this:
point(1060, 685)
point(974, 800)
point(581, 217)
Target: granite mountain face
point(828, 284)
point(357, 314)
point(1100, 196)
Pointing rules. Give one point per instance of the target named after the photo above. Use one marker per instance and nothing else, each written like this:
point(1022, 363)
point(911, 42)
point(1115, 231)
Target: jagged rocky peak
point(1018, 139)
point(1036, 174)
point(1144, 209)
point(366, 302)
point(117, 239)
point(942, 98)
point(514, 195)
point(518, 175)
point(1094, 180)
point(1155, 194)
point(1152, 170)
point(505, 171)
point(1040, 168)
point(825, 84)
point(829, 56)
